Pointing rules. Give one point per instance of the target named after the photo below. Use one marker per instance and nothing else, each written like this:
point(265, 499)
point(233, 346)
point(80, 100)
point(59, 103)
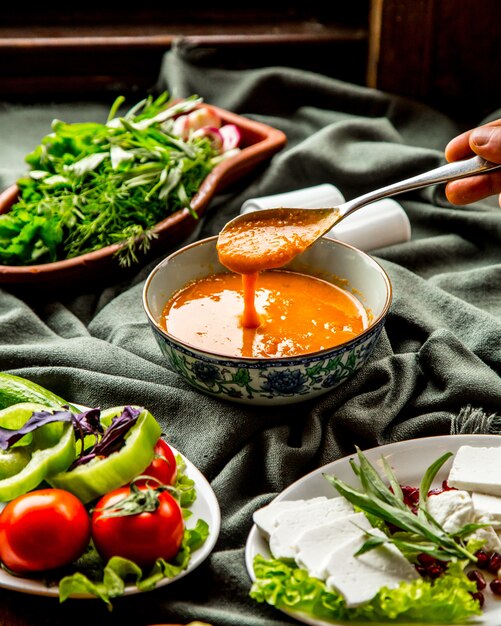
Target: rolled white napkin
point(376, 225)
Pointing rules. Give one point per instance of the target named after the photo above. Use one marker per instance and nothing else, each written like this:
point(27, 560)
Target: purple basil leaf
point(39, 418)
point(87, 423)
point(113, 437)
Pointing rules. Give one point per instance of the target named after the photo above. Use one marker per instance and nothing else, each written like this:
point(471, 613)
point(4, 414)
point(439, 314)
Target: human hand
point(486, 142)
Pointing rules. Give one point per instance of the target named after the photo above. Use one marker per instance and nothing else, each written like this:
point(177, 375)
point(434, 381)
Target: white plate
point(409, 459)
point(205, 507)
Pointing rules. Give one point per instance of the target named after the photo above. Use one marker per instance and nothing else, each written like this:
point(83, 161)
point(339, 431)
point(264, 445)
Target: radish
point(231, 136)
point(213, 134)
point(203, 117)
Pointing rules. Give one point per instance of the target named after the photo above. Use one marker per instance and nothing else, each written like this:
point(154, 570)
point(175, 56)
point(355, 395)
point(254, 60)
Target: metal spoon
point(272, 237)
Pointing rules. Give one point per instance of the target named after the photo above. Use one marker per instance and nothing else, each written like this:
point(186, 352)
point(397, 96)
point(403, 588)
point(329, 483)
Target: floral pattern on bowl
point(281, 382)
point(270, 381)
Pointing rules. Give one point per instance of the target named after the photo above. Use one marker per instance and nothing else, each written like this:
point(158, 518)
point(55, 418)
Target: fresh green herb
point(419, 532)
point(92, 185)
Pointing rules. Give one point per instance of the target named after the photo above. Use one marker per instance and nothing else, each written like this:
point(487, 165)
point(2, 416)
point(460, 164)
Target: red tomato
point(163, 467)
point(43, 530)
point(142, 537)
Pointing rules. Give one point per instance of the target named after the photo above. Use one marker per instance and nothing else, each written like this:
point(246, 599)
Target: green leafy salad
point(436, 588)
point(91, 185)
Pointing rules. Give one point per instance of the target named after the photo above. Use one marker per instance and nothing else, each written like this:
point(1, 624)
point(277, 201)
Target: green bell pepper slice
point(48, 450)
point(101, 475)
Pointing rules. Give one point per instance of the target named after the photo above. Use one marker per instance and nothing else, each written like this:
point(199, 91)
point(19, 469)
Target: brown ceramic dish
point(259, 142)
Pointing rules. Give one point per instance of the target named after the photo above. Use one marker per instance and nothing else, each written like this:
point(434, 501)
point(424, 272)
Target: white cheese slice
point(489, 536)
point(487, 508)
point(265, 518)
point(314, 546)
point(359, 578)
point(477, 469)
point(452, 509)
point(292, 523)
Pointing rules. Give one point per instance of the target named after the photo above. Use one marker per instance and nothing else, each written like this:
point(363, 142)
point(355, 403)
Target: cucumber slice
point(14, 390)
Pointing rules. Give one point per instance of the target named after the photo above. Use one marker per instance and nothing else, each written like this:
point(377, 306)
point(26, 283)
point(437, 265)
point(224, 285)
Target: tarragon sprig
point(421, 531)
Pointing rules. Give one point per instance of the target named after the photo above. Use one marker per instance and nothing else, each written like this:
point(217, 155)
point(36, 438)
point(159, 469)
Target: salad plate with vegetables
point(109, 194)
point(94, 503)
point(408, 532)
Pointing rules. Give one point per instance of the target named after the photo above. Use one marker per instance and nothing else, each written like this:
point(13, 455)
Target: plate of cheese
point(322, 553)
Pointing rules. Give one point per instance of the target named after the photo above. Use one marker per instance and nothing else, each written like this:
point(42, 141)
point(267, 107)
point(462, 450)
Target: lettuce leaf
point(109, 582)
point(185, 487)
point(446, 600)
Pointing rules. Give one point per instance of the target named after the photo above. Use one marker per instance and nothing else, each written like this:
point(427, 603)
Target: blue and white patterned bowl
point(276, 380)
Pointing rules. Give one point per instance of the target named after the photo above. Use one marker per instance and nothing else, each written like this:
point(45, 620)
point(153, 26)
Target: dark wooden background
point(446, 53)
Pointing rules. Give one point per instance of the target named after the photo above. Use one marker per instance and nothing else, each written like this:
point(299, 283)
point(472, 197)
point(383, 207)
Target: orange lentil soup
point(268, 239)
point(297, 314)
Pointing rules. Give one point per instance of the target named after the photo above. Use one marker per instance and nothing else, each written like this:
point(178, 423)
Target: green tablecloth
point(440, 351)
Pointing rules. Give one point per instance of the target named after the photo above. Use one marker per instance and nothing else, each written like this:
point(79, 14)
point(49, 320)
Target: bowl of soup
point(317, 321)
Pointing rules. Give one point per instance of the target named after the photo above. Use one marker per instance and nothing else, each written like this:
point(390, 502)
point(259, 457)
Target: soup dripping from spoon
point(270, 238)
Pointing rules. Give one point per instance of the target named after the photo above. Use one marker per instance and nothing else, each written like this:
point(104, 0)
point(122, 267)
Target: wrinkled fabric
point(440, 350)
